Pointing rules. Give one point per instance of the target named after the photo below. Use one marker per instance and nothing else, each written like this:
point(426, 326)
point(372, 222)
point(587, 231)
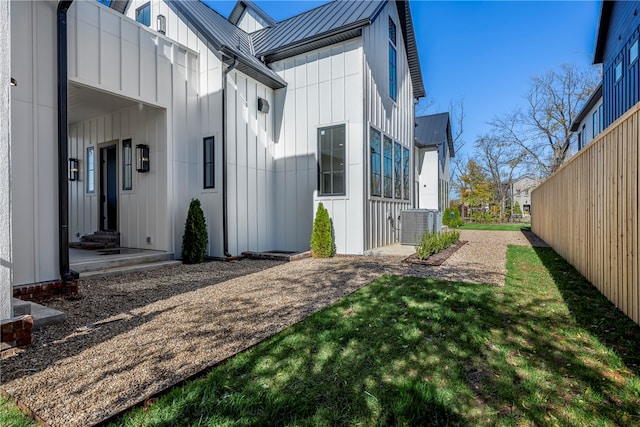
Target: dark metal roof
point(119, 5)
point(243, 5)
point(332, 23)
point(603, 30)
point(226, 38)
point(434, 130)
point(591, 102)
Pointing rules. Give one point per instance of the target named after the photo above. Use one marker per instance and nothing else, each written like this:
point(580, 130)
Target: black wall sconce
point(73, 169)
point(263, 105)
point(162, 24)
point(142, 158)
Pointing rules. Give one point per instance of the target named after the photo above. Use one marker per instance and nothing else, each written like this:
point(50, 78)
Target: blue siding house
point(617, 51)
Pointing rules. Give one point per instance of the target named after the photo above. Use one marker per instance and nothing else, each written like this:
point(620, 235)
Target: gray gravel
point(133, 335)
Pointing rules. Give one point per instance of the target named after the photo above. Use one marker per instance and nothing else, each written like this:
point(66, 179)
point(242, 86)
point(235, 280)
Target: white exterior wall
point(249, 148)
point(586, 125)
point(6, 291)
point(143, 210)
point(394, 118)
point(324, 89)
point(34, 142)
point(250, 21)
point(113, 54)
point(428, 178)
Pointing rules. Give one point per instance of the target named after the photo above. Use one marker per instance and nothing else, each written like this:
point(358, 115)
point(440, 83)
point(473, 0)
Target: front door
point(109, 188)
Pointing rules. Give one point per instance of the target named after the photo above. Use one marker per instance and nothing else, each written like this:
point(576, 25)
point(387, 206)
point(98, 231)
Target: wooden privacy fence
point(588, 212)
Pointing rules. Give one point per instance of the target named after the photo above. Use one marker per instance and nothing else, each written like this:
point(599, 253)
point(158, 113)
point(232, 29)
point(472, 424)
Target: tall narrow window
point(405, 173)
point(397, 170)
point(388, 167)
point(618, 71)
point(208, 162)
point(594, 124)
point(633, 52)
point(91, 167)
point(143, 14)
point(393, 73)
point(376, 162)
point(331, 160)
point(127, 165)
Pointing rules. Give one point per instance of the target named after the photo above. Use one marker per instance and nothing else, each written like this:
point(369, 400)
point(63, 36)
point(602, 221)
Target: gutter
point(225, 220)
point(66, 274)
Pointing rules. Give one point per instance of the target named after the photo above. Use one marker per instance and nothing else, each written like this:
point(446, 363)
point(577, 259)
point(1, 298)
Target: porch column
point(6, 278)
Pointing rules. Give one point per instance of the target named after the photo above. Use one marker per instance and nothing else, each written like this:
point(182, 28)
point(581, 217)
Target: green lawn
point(495, 227)
point(11, 416)
point(547, 349)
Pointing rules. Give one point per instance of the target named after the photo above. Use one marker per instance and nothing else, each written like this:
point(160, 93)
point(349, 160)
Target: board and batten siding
point(324, 89)
point(588, 212)
point(394, 118)
point(6, 278)
point(250, 166)
point(250, 21)
point(34, 190)
point(111, 53)
point(143, 209)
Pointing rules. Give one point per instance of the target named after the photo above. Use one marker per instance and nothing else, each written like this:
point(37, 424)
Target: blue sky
point(484, 52)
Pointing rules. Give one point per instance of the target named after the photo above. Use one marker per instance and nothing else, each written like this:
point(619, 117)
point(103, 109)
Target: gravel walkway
point(134, 335)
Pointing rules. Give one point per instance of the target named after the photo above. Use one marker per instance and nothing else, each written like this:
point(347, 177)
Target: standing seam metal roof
point(228, 38)
point(433, 130)
point(242, 5)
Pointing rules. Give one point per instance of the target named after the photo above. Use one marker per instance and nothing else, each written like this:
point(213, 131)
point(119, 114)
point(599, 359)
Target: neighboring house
point(521, 193)
point(617, 50)
point(589, 122)
point(183, 103)
point(434, 149)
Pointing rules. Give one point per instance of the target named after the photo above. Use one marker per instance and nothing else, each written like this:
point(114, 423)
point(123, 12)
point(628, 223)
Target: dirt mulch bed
point(438, 259)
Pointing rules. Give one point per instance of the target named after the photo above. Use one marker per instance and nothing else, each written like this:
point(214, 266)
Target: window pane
point(618, 71)
point(91, 188)
point(392, 31)
point(143, 14)
point(127, 167)
point(633, 52)
point(208, 162)
point(393, 81)
point(388, 167)
point(375, 160)
point(331, 158)
point(405, 172)
point(397, 170)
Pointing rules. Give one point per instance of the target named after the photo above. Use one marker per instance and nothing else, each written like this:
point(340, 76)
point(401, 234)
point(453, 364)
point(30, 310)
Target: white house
point(590, 120)
point(434, 150)
point(163, 101)
point(521, 189)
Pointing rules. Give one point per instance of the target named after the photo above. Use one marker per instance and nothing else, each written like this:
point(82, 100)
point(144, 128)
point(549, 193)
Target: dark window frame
point(375, 163)
point(387, 167)
point(406, 173)
point(633, 60)
point(393, 61)
point(146, 19)
point(208, 163)
point(595, 124)
point(336, 151)
point(91, 168)
point(127, 166)
point(397, 171)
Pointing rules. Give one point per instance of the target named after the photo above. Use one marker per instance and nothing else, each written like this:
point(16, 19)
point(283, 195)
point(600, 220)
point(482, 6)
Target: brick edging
point(15, 332)
point(39, 292)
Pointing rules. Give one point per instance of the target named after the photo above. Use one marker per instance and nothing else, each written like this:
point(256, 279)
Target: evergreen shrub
point(322, 236)
point(195, 238)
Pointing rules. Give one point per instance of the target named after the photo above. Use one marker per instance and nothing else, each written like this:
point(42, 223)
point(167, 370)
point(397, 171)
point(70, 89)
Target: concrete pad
point(392, 250)
point(45, 316)
point(127, 269)
point(21, 307)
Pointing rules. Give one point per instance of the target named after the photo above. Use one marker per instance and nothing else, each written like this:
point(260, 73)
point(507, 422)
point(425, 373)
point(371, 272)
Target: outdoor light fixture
point(162, 24)
point(14, 82)
point(263, 105)
point(73, 169)
point(142, 158)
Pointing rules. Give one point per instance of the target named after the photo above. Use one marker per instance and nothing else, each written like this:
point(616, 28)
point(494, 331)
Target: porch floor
point(392, 250)
point(104, 262)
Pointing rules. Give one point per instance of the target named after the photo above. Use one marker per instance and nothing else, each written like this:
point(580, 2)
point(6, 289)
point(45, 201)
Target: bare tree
point(542, 129)
point(499, 159)
point(458, 162)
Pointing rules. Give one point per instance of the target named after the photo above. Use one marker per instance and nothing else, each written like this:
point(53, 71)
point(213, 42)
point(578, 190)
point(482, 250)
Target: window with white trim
point(331, 160)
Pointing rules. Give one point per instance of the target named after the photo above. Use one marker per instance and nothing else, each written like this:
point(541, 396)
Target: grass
point(10, 415)
point(546, 349)
point(495, 227)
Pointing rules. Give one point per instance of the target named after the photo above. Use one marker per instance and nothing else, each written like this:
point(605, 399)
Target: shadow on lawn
point(406, 351)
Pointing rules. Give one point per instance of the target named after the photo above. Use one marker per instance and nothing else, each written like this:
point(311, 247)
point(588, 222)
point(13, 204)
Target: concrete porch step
point(42, 316)
point(127, 269)
point(117, 258)
point(93, 245)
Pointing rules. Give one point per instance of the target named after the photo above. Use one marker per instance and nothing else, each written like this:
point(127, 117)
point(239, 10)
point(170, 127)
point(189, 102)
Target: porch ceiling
point(85, 103)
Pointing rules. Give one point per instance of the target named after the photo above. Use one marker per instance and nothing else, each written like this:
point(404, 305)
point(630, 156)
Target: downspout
point(225, 220)
point(66, 274)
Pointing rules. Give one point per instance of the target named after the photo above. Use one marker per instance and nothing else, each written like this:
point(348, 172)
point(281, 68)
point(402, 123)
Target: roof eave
point(270, 78)
point(603, 30)
point(404, 11)
point(591, 102)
